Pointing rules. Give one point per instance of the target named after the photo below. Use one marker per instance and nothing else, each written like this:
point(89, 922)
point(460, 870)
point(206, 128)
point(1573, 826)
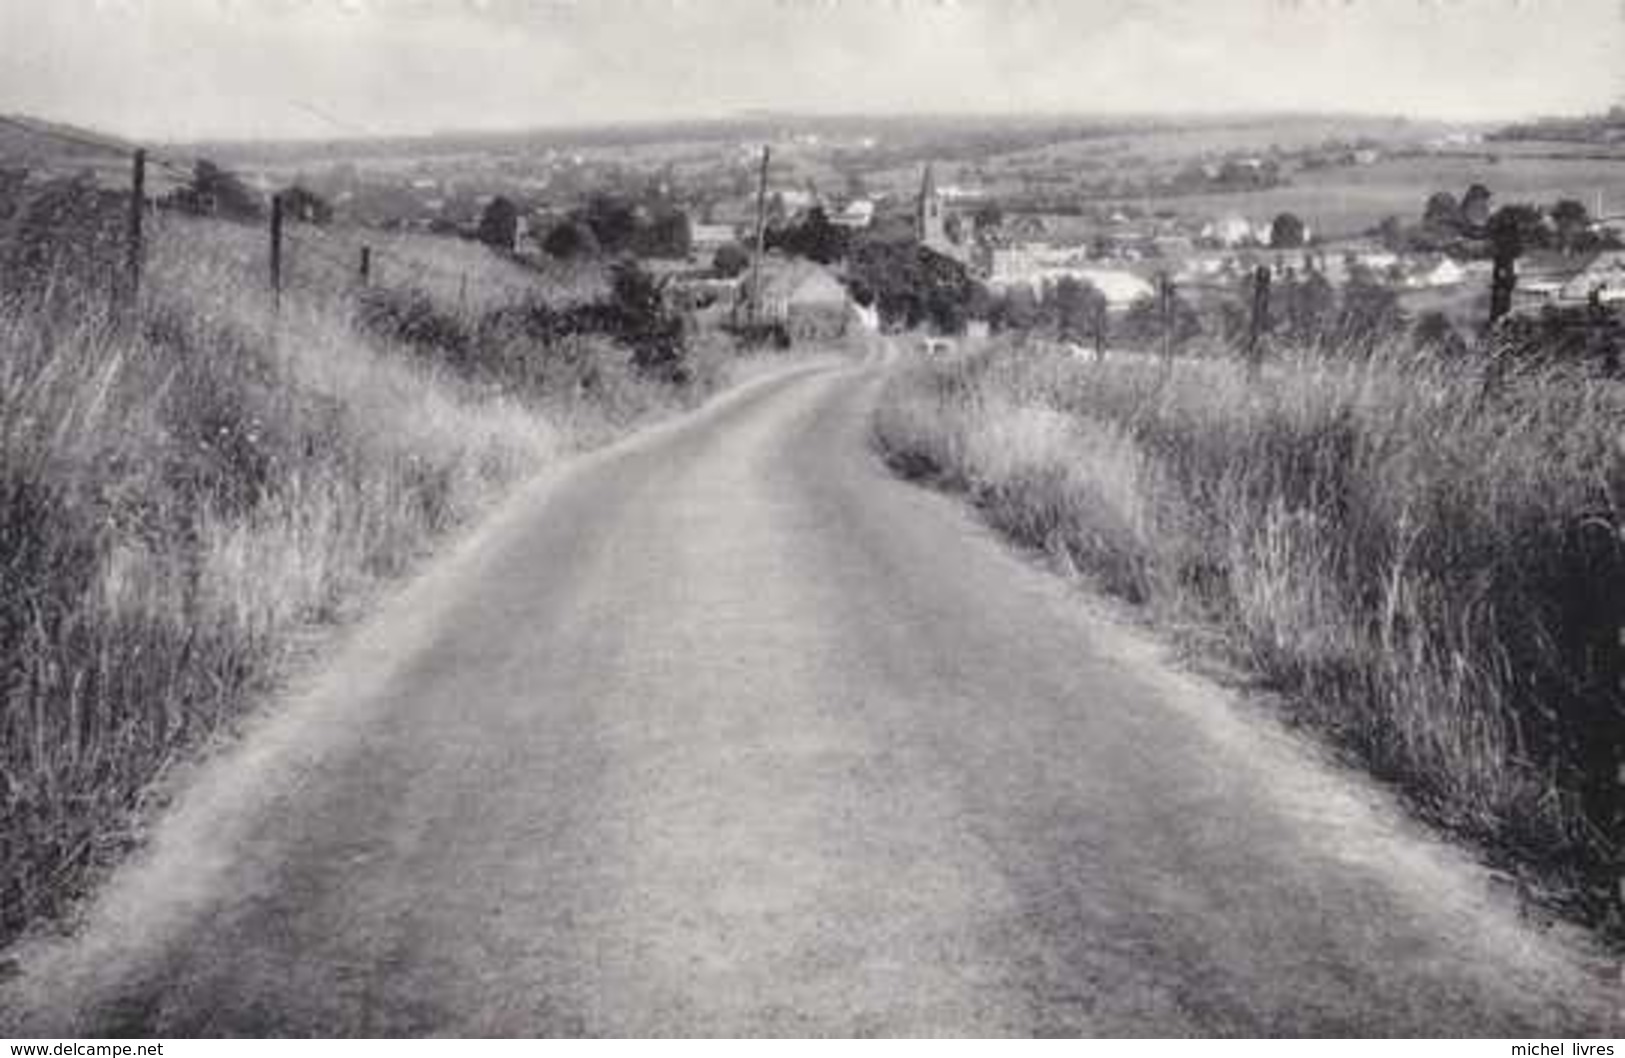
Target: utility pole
point(761, 241)
point(136, 241)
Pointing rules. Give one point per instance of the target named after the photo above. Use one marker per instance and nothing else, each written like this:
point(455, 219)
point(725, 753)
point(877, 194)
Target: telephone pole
point(761, 241)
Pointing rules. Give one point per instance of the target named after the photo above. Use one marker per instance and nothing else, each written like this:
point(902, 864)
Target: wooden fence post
point(276, 259)
point(1165, 287)
point(135, 246)
point(1259, 324)
point(1596, 724)
point(1503, 280)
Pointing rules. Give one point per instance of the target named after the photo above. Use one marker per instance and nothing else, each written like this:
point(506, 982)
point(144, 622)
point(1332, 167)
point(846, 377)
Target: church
point(939, 229)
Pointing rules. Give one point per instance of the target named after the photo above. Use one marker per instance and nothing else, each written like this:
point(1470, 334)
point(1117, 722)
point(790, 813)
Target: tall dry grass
point(1428, 565)
point(179, 496)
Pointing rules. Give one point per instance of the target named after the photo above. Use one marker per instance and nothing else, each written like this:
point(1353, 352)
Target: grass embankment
point(1429, 570)
point(178, 499)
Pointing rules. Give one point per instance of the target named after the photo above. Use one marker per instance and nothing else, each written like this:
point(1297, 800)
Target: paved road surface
point(724, 731)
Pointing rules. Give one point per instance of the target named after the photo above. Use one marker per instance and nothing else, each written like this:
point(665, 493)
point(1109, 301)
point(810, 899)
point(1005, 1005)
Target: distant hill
point(49, 149)
point(28, 139)
point(1606, 128)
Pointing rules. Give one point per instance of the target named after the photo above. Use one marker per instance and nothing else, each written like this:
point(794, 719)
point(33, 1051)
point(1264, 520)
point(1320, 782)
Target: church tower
point(933, 230)
point(932, 218)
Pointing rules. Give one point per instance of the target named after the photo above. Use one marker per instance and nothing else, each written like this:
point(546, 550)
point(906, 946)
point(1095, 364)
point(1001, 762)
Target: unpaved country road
point(724, 731)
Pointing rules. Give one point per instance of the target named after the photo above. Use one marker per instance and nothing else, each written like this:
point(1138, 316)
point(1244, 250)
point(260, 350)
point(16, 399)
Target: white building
point(858, 214)
point(711, 236)
point(1121, 288)
point(1235, 230)
point(1604, 277)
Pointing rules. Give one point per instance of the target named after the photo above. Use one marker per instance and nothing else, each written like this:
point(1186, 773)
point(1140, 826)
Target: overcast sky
point(179, 69)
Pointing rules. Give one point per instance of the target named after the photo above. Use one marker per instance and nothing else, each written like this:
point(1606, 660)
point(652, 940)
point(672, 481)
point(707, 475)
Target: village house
point(858, 215)
point(807, 300)
point(706, 239)
point(1121, 287)
point(1544, 274)
point(1234, 230)
point(1603, 278)
point(1436, 271)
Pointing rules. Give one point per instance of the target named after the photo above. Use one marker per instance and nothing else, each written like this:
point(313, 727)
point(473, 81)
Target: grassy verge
point(1429, 569)
point(180, 496)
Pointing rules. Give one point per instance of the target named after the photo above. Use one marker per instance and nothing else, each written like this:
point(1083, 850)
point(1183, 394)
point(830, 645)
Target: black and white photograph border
point(745, 519)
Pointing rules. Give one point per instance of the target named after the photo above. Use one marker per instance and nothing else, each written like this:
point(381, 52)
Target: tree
point(1475, 207)
point(1075, 306)
point(640, 319)
point(614, 222)
point(1391, 233)
point(214, 192)
point(1287, 232)
point(730, 260)
point(1442, 213)
point(1016, 309)
point(301, 204)
point(987, 218)
point(1573, 225)
point(816, 238)
point(666, 235)
point(499, 225)
point(910, 285)
point(569, 240)
point(1517, 229)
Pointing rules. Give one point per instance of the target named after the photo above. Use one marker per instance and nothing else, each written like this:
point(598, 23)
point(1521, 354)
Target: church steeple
point(933, 231)
point(928, 183)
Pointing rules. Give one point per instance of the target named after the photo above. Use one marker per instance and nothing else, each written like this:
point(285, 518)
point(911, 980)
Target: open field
point(1350, 199)
point(181, 499)
point(1161, 146)
point(1428, 575)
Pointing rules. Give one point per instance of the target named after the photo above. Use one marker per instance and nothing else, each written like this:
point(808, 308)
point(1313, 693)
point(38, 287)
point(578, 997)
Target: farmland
point(1352, 199)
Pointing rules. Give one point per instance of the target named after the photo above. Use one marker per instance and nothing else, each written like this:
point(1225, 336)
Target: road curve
point(723, 731)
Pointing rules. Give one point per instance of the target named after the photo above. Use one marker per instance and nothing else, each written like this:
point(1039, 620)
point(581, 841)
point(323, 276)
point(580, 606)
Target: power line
point(338, 123)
